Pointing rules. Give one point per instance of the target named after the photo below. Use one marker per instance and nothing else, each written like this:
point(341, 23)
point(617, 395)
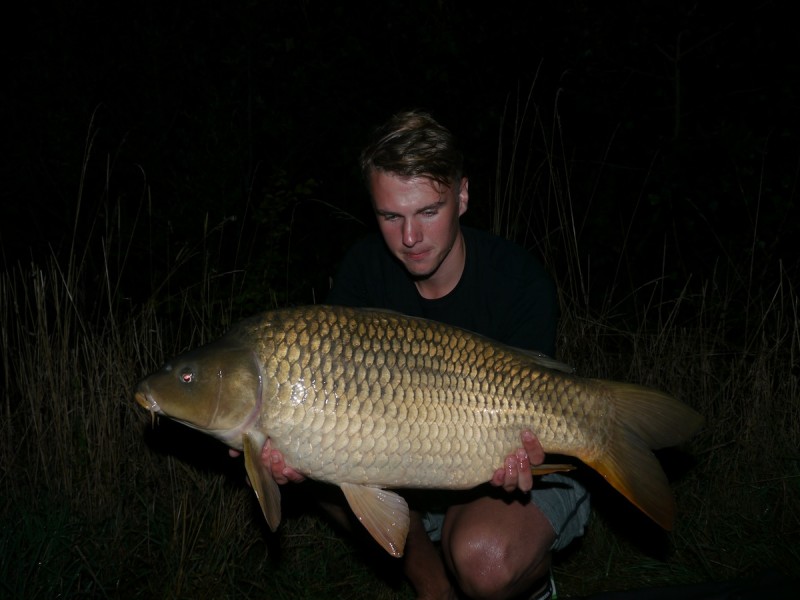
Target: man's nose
point(411, 233)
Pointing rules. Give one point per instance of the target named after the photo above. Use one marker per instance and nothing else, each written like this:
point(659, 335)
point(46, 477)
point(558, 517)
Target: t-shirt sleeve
point(522, 296)
point(534, 314)
point(349, 284)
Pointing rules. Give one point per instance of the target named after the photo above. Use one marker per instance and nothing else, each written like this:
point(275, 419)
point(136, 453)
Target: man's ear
point(463, 196)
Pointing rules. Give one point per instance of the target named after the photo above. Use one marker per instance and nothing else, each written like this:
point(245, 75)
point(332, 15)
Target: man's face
point(418, 219)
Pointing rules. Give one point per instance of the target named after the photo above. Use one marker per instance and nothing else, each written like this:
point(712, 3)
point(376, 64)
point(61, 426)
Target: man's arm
point(349, 287)
point(532, 314)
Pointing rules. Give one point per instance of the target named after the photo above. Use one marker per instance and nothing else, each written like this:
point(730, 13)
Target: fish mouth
point(145, 400)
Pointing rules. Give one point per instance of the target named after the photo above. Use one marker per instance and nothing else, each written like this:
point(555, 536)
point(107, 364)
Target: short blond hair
point(413, 144)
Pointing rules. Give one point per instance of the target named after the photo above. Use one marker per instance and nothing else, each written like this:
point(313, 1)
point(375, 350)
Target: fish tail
point(644, 419)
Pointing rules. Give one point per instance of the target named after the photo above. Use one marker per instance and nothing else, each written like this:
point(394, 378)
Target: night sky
point(236, 125)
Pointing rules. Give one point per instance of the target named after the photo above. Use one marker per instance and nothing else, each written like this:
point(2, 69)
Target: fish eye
point(186, 376)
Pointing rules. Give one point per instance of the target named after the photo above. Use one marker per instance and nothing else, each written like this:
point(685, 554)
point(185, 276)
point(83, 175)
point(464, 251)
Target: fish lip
point(145, 400)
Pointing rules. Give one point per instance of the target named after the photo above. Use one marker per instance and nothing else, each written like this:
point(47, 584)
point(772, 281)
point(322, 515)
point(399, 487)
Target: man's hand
point(273, 459)
point(516, 473)
point(281, 473)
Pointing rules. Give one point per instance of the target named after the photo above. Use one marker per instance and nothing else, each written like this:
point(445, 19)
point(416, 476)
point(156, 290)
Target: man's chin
point(418, 271)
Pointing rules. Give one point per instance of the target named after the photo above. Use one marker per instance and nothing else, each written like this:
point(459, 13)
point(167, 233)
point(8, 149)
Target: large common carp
point(372, 400)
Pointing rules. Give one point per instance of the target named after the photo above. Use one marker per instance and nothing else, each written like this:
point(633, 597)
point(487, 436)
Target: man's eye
point(430, 213)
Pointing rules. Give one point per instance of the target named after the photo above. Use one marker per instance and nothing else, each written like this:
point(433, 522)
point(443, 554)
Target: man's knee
point(488, 565)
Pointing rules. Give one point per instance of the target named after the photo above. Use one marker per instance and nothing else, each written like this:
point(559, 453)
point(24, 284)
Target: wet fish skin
point(370, 400)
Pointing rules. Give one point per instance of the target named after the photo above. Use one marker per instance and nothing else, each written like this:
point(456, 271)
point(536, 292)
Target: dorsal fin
point(547, 362)
point(541, 359)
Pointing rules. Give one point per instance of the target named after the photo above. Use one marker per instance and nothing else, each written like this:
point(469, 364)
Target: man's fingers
point(498, 477)
point(516, 471)
point(533, 447)
point(525, 478)
point(273, 459)
point(511, 474)
point(277, 466)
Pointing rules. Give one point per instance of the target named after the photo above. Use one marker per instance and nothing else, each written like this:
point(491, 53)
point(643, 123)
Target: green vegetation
point(99, 502)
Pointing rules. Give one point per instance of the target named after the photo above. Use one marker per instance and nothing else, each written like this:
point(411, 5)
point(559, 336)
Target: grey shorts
point(564, 502)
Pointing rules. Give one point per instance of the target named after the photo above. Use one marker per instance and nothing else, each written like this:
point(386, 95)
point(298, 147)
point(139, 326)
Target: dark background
point(178, 139)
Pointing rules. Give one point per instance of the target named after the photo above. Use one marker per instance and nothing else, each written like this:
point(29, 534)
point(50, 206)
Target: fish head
point(216, 388)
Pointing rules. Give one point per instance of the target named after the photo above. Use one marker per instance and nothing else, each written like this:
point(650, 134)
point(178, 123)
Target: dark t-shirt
point(504, 292)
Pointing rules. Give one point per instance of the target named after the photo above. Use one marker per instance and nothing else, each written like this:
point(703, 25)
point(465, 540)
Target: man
point(425, 264)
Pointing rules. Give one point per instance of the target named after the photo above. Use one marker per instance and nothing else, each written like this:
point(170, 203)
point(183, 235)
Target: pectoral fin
point(267, 491)
point(545, 469)
point(383, 513)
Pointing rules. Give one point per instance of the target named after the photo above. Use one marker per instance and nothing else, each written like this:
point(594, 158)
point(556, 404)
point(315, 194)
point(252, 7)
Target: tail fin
point(644, 419)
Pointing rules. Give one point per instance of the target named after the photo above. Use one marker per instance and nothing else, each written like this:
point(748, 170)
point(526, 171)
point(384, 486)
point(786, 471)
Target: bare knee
point(483, 568)
point(490, 563)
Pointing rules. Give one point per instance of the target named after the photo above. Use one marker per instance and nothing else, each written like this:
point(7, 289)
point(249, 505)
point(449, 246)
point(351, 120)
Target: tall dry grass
point(99, 503)
point(728, 345)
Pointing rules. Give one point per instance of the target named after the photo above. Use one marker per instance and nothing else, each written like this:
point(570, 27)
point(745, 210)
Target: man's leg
point(422, 564)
